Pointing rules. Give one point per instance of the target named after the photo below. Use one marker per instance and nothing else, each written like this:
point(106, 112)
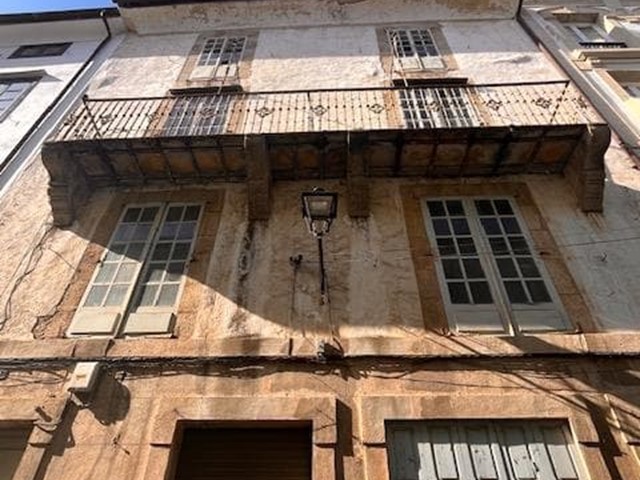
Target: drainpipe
point(13, 154)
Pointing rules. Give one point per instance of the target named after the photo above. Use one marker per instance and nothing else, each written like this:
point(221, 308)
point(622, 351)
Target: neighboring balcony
point(258, 137)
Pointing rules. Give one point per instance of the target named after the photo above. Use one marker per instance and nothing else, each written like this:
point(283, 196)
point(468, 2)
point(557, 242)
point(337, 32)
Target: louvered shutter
point(105, 300)
point(469, 450)
point(245, 453)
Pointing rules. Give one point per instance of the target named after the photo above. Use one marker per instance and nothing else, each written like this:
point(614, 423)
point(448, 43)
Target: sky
point(29, 6)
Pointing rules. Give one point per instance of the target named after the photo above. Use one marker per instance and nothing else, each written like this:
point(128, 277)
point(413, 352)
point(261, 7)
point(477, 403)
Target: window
point(198, 115)
point(437, 107)
point(491, 279)
point(414, 49)
point(140, 274)
point(12, 91)
point(592, 36)
point(13, 442)
point(632, 89)
point(41, 50)
point(267, 453)
point(481, 450)
point(219, 58)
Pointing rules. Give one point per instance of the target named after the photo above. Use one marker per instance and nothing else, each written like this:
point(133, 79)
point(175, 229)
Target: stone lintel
point(258, 178)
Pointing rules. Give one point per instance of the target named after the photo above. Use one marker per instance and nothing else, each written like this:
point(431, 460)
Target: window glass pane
point(499, 246)
point(174, 272)
point(436, 209)
point(155, 272)
point(480, 293)
point(441, 227)
point(116, 295)
point(106, 272)
point(507, 268)
point(161, 251)
point(126, 272)
point(510, 225)
point(519, 245)
point(181, 251)
point(148, 295)
point(515, 292)
point(466, 246)
point(169, 231)
point(192, 213)
point(472, 268)
point(131, 215)
point(528, 267)
point(185, 232)
point(454, 207)
point(452, 268)
point(446, 246)
point(174, 214)
point(460, 226)
point(168, 295)
point(491, 226)
point(503, 207)
point(458, 293)
point(134, 252)
point(538, 291)
point(96, 296)
point(484, 207)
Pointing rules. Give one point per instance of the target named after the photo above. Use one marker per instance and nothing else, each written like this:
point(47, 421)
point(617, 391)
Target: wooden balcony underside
point(261, 138)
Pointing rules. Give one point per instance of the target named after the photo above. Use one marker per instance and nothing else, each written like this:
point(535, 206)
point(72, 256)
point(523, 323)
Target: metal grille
point(529, 104)
point(437, 108)
point(204, 115)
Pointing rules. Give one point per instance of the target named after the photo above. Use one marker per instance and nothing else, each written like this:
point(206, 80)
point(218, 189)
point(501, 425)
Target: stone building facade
point(163, 315)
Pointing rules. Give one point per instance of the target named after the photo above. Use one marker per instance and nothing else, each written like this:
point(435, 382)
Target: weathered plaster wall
point(54, 72)
point(126, 431)
point(325, 57)
point(275, 13)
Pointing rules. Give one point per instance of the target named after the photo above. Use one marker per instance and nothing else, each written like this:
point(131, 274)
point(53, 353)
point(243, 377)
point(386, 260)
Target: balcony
point(444, 131)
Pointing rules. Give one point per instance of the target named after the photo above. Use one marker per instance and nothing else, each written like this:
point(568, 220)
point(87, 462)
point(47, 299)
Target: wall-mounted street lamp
point(319, 209)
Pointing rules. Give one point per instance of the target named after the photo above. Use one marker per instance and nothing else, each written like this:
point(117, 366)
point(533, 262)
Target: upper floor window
point(437, 107)
point(197, 115)
point(632, 89)
point(414, 49)
point(12, 91)
point(491, 279)
point(41, 50)
point(135, 288)
point(478, 450)
point(219, 58)
point(590, 35)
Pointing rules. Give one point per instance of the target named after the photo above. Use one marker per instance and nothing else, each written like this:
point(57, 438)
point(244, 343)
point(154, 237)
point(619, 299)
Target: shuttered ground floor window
point(245, 453)
point(488, 450)
point(13, 442)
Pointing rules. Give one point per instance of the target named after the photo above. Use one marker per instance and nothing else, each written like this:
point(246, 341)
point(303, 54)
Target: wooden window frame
point(499, 444)
point(41, 50)
point(503, 307)
point(129, 312)
point(32, 81)
point(395, 73)
point(187, 77)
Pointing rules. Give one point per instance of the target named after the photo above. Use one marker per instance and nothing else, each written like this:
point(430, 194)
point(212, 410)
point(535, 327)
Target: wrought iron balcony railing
point(593, 45)
point(430, 107)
